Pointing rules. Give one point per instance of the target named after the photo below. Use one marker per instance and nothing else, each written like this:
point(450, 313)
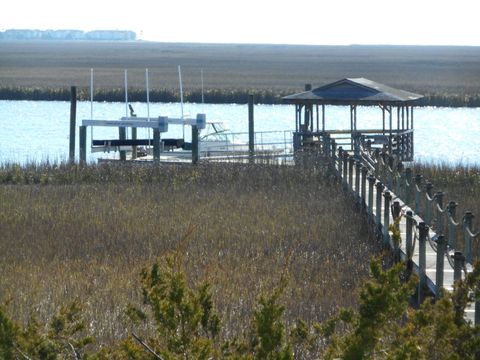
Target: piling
point(458, 264)
point(440, 264)
point(386, 218)
point(194, 144)
point(371, 182)
point(452, 228)
point(409, 240)
point(122, 135)
point(378, 215)
point(83, 143)
point(73, 120)
point(422, 257)
point(134, 148)
point(467, 226)
point(156, 145)
point(251, 130)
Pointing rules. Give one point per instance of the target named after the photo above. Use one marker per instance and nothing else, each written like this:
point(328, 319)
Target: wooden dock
point(386, 192)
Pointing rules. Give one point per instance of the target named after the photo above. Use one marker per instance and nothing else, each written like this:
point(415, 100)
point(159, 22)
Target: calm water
point(39, 130)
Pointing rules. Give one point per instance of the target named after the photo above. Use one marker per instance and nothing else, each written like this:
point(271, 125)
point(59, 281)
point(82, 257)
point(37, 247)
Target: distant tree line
point(31, 34)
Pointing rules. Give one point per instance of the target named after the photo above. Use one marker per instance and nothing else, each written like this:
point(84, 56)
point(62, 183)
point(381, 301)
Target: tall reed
point(75, 232)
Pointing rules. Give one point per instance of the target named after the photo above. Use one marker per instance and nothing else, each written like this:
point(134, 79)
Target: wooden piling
point(194, 144)
point(452, 228)
point(386, 218)
point(422, 258)
point(83, 143)
point(73, 120)
point(122, 135)
point(467, 226)
point(134, 148)
point(458, 264)
point(440, 264)
point(251, 130)
point(378, 215)
point(156, 145)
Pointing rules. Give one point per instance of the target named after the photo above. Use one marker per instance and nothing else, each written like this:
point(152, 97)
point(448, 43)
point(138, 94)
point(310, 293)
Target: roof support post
point(318, 118)
point(391, 128)
point(411, 117)
point(323, 117)
point(383, 118)
point(398, 117)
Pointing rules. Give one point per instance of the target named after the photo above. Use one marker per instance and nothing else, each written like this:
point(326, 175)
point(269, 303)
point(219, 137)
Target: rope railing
point(370, 178)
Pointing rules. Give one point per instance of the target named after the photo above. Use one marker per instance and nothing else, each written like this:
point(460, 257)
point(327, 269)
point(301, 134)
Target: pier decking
point(428, 230)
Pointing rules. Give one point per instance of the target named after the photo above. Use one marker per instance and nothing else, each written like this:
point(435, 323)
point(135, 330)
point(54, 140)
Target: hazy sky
point(423, 22)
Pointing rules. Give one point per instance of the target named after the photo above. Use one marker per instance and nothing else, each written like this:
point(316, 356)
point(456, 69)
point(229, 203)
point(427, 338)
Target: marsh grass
point(71, 232)
point(448, 76)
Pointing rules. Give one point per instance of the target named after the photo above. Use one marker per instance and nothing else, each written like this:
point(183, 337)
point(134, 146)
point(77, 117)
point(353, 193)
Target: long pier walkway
point(392, 200)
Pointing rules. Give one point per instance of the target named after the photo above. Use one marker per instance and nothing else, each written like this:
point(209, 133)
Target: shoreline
point(211, 96)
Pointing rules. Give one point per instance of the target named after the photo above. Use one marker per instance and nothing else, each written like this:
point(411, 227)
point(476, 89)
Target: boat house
point(396, 132)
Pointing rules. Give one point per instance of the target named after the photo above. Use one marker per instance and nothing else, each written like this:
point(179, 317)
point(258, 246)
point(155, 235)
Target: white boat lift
point(158, 125)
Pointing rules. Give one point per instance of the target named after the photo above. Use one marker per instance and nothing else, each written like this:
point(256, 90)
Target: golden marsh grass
point(71, 232)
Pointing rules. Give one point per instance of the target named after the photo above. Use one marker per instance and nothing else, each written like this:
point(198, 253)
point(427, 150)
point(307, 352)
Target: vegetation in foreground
point(184, 324)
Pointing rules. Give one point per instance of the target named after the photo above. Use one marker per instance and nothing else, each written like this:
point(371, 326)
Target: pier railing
point(396, 142)
point(435, 242)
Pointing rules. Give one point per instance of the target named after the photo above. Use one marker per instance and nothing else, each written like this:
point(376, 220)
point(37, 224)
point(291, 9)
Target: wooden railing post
point(371, 182)
point(452, 228)
point(378, 163)
point(428, 202)
point(409, 235)
point(333, 150)
point(467, 225)
point(440, 264)
point(440, 224)
point(458, 265)
point(399, 180)
point(358, 166)
point(422, 257)
point(345, 170)
point(408, 186)
point(378, 217)
point(386, 218)
point(351, 162)
point(340, 163)
point(418, 192)
point(363, 192)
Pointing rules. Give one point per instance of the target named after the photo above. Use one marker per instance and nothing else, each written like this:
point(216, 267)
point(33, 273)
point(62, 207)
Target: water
point(39, 130)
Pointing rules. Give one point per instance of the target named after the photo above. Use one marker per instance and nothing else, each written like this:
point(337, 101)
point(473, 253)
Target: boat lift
point(158, 125)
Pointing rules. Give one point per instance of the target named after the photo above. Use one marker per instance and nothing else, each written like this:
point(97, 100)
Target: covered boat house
point(395, 134)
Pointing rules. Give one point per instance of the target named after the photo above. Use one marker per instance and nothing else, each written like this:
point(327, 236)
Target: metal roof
point(357, 91)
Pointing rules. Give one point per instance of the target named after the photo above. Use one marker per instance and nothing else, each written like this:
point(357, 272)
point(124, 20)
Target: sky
point(320, 22)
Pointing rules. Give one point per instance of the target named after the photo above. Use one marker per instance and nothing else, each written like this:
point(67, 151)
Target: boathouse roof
point(353, 91)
